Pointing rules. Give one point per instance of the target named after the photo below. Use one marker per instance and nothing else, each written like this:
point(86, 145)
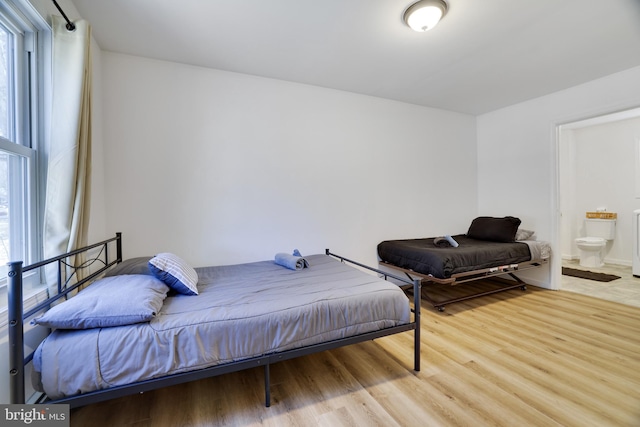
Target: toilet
point(591, 247)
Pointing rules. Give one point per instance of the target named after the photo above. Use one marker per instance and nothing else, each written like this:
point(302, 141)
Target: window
point(24, 40)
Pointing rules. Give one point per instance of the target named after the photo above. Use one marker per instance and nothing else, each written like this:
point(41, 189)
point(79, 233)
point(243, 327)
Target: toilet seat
point(591, 241)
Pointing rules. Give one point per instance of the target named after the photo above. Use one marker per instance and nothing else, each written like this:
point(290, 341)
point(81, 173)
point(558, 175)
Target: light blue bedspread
point(242, 311)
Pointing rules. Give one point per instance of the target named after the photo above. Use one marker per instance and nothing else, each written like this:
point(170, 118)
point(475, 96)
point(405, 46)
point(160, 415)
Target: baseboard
point(626, 263)
point(538, 283)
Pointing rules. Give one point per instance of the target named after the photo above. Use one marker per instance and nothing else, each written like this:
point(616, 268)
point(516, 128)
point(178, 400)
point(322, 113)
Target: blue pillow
point(175, 273)
point(112, 301)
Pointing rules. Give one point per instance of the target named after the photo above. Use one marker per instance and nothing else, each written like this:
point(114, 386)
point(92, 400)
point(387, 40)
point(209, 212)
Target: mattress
point(424, 257)
point(242, 311)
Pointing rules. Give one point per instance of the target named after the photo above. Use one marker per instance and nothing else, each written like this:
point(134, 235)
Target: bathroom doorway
point(598, 163)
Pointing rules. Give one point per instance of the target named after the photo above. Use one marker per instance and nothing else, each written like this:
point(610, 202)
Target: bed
point(232, 318)
point(492, 247)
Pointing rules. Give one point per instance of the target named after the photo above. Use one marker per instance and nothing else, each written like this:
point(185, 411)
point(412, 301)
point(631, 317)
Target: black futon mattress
point(422, 256)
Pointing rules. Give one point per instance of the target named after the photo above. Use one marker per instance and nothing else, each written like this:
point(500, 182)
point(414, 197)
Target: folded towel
point(445, 242)
point(292, 262)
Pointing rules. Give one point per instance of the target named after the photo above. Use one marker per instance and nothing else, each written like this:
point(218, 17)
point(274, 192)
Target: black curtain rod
point(70, 25)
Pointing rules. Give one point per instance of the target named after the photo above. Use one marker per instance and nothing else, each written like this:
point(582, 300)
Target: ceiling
point(483, 55)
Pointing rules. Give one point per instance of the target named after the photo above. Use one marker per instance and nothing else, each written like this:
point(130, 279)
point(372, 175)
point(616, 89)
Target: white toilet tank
point(603, 228)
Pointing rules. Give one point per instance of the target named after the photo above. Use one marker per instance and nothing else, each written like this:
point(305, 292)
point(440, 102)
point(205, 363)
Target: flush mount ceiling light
point(425, 14)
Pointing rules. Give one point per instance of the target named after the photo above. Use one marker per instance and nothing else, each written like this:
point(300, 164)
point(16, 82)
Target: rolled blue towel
point(451, 240)
point(292, 262)
point(297, 253)
point(441, 242)
point(445, 242)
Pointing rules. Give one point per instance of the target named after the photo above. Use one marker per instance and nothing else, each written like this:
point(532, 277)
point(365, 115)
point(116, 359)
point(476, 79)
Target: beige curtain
point(66, 216)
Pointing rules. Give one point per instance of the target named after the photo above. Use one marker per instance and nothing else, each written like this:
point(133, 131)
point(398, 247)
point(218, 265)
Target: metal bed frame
point(459, 278)
point(69, 281)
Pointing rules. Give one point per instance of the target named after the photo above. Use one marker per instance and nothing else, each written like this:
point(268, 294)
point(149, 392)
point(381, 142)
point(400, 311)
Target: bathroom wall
point(598, 170)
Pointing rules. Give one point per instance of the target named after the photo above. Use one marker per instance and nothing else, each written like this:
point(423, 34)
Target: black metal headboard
point(74, 269)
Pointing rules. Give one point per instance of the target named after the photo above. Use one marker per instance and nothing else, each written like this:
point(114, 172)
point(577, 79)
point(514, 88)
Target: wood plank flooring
point(532, 358)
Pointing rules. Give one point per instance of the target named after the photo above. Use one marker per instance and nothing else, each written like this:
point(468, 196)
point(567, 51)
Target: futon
point(491, 247)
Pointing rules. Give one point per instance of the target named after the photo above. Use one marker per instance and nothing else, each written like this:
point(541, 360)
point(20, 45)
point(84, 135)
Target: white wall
point(517, 153)
point(600, 172)
point(223, 168)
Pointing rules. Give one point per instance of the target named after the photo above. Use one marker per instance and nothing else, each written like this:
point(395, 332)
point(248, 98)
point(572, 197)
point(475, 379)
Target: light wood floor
point(532, 358)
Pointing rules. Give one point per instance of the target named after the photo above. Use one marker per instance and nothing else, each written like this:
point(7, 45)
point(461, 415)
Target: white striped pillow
point(175, 273)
